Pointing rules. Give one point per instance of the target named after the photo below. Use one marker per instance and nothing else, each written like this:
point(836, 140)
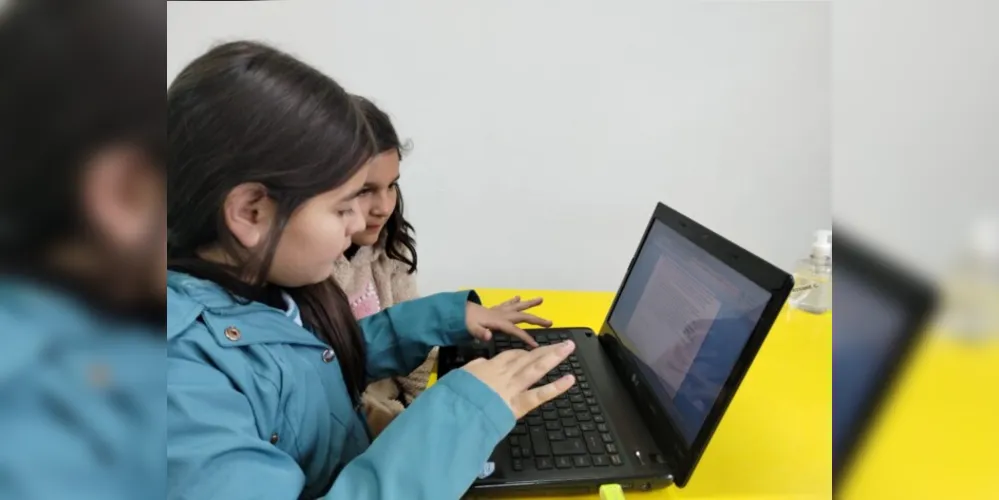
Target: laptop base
point(614, 431)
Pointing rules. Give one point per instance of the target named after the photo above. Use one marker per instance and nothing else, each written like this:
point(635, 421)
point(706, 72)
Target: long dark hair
point(246, 112)
point(397, 237)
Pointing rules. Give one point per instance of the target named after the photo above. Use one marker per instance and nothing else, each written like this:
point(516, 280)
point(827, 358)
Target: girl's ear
point(248, 213)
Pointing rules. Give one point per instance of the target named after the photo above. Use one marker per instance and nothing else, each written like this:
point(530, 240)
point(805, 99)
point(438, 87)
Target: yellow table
point(773, 442)
point(939, 436)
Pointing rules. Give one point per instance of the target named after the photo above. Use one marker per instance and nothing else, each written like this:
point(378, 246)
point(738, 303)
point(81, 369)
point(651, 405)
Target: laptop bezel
point(917, 298)
point(679, 456)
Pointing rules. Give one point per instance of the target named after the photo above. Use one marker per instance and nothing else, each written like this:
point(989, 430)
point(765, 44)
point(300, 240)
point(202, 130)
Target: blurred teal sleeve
point(77, 425)
point(46, 456)
point(433, 450)
point(400, 337)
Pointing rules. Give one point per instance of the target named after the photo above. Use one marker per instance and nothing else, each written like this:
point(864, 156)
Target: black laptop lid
point(880, 310)
point(687, 322)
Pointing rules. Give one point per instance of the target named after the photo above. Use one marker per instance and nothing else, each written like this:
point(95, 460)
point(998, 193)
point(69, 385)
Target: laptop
point(880, 313)
point(684, 327)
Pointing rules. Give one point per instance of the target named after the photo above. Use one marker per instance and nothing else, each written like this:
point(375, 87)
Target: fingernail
point(568, 345)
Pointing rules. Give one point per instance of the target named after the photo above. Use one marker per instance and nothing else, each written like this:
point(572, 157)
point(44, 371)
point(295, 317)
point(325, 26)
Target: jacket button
point(274, 438)
point(328, 355)
point(232, 333)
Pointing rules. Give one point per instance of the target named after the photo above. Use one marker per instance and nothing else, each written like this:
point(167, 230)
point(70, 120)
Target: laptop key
point(586, 392)
point(583, 417)
point(587, 426)
point(563, 336)
point(571, 446)
point(579, 407)
point(571, 432)
point(607, 438)
point(539, 442)
point(611, 448)
point(574, 389)
point(565, 413)
point(563, 462)
point(519, 429)
point(525, 452)
point(595, 410)
point(549, 406)
point(556, 436)
point(553, 426)
point(593, 444)
point(602, 428)
point(576, 398)
point(581, 461)
point(598, 419)
point(585, 386)
point(514, 440)
point(616, 459)
point(535, 421)
point(568, 422)
point(515, 452)
point(518, 465)
point(543, 463)
point(591, 401)
point(549, 415)
point(600, 460)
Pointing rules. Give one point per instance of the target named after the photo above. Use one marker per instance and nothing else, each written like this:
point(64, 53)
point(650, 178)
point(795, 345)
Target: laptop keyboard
point(568, 432)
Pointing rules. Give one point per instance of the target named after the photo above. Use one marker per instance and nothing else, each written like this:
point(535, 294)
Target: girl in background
point(379, 268)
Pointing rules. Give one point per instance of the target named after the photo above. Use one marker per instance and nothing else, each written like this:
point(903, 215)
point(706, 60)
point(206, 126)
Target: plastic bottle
point(813, 277)
point(971, 290)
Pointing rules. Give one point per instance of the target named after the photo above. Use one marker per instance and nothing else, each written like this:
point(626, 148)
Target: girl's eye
point(344, 213)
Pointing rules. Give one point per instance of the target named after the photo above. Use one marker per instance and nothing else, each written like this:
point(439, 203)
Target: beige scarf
point(383, 399)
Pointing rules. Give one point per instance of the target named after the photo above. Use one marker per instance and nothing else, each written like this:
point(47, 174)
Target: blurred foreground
point(916, 177)
point(82, 249)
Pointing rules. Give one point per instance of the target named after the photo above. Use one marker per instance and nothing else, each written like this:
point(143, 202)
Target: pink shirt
point(366, 302)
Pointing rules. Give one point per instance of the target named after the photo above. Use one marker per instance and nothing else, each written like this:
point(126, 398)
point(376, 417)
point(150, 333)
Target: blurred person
point(378, 270)
point(82, 249)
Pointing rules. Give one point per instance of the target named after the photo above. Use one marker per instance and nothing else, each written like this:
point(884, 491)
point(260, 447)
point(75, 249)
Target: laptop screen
point(685, 317)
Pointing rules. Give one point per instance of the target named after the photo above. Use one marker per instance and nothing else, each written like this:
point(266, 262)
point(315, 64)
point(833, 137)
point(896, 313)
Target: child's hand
point(515, 304)
point(512, 373)
point(481, 321)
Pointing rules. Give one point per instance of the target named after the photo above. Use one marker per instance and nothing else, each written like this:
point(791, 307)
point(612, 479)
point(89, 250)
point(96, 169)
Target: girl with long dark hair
point(265, 361)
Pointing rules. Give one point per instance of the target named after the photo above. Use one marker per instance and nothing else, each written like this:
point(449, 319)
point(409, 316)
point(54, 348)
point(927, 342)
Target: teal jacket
point(81, 399)
point(257, 406)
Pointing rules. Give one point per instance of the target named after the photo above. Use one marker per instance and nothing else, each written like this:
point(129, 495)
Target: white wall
point(545, 132)
point(916, 114)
